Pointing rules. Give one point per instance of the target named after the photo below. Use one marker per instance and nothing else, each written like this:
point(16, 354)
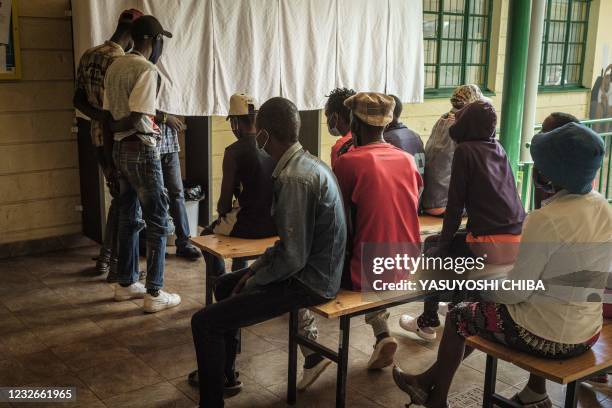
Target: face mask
point(262, 147)
point(333, 130)
point(542, 185)
point(235, 129)
point(158, 46)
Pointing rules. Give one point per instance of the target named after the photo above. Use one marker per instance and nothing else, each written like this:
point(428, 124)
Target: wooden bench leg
point(209, 280)
point(571, 395)
point(343, 352)
point(293, 346)
point(490, 379)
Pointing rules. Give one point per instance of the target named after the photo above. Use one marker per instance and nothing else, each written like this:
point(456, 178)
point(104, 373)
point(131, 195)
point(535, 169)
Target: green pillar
point(515, 76)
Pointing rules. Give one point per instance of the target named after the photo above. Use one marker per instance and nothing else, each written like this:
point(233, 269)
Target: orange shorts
point(498, 249)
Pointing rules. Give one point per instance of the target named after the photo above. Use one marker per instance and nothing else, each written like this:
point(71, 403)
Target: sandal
point(417, 395)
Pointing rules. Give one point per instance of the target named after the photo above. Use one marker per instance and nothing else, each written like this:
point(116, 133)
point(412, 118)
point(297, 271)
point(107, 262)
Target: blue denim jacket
point(309, 216)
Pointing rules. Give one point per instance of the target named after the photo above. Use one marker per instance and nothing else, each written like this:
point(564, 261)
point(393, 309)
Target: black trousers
point(215, 327)
point(458, 248)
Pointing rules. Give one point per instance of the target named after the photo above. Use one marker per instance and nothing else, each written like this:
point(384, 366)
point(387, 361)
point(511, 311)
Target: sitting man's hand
point(175, 123)
point(240, 285)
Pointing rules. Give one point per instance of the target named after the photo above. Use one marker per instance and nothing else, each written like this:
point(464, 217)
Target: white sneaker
point(442, 308)
point(409, 323)
point(310, 375)
point(134, 291)
point(161, 302)
point(383, 354)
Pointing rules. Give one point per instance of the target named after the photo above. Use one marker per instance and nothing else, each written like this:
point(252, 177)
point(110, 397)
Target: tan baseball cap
point(242, 104)
point(375, 109)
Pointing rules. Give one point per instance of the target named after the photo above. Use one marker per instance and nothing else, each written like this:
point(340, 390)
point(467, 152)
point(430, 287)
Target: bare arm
point(126, 123)
point(228, 184)
point(81, 102)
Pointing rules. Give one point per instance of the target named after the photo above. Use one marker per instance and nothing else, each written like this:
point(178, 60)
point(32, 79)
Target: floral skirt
point(493, 322)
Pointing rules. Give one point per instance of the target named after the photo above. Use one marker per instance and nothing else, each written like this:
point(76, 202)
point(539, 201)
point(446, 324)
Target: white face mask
point(262, 147)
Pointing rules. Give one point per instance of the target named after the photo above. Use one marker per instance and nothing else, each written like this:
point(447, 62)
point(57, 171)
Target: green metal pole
point(515, 76)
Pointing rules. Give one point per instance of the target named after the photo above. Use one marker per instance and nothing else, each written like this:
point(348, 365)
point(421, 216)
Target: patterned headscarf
point(464, 95)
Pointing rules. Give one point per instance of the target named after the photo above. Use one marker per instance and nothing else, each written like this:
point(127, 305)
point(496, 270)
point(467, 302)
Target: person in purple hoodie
point(482, 185)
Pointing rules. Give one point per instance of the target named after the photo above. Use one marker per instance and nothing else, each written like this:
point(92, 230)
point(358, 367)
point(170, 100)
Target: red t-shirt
point(338, 145)
point(380, 186)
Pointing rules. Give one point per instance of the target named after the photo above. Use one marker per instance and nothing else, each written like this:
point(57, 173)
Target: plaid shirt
point(90, 78)
point(169, 140)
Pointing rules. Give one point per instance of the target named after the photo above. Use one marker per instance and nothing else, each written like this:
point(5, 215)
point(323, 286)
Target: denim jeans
point(171, 168)
point(141, 189)
point(214, 327)
point(110, 247)
point(458, 248)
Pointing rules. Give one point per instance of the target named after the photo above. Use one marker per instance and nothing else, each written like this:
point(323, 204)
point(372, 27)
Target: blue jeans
point(171, 168)
point(109, 248)
point(141, 187)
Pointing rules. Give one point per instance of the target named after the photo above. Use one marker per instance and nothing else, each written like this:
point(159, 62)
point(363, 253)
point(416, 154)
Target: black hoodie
point(481, 178)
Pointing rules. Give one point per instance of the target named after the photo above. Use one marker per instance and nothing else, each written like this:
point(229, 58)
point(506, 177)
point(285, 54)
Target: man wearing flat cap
point(130, 90)
point(380, 185)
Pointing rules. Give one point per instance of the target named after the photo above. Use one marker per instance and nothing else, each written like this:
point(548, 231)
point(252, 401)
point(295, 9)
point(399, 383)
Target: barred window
point(564, 43)
point(456, 41)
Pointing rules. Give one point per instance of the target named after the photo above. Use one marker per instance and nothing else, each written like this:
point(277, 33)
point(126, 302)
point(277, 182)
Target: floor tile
point(158, 395)
point(171, 362)
point(118, 377)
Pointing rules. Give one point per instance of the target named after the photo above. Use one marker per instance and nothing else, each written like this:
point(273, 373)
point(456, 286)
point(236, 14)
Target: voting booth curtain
point(298, 49)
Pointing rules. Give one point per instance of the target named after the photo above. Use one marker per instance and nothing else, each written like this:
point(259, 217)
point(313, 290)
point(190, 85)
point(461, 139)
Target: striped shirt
point(90, 78)
point(169, 140)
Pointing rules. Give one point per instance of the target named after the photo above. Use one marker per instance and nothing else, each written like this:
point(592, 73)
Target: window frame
point(439, 38)
point(563, 86)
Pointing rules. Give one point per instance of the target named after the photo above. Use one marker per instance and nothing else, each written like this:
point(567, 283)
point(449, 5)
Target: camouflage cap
point(375, 109)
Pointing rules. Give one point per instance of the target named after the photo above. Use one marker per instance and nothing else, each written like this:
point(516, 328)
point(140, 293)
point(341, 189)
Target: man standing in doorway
point(170, 126)
point(130, 97)
point(88, 99)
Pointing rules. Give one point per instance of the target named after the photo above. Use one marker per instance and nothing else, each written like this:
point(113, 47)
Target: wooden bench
point(226, 247)
point(229, 248)
point(349, 304)
point(569, 372)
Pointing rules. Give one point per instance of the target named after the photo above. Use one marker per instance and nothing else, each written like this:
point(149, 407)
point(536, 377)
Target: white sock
point(528, 396)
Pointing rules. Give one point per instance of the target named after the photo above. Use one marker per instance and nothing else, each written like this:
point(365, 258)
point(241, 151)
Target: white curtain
point(405, 59)
point(362, 44)
point(187, 85)
point(308, 52)
point(300, 49)
point(246, 50)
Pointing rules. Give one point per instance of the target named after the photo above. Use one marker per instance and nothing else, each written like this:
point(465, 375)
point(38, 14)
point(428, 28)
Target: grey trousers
point(307, 326)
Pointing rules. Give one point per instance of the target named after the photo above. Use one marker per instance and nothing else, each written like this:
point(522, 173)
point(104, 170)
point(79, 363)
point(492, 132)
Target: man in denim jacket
point(302, 269)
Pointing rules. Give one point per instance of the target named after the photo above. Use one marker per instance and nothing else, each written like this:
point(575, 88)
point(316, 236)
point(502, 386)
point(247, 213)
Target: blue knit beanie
point(569, 156)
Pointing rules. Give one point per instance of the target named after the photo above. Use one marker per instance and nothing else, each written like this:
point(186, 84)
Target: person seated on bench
point(339, 122)
point(302, 269)
point(439, 152)
point(247, 175)
point(374, 168)
point(551, 122)
point(481, 182)
point(397, 134)
point(566, 244)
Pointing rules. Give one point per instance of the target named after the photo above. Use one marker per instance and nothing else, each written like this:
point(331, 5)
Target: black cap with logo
point(148, 27)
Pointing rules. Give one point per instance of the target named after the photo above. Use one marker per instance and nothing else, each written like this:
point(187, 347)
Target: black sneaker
point(231, 387)
point(188, 252)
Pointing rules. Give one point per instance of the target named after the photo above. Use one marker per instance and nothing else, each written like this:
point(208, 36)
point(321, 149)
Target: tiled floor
point(59, 326)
